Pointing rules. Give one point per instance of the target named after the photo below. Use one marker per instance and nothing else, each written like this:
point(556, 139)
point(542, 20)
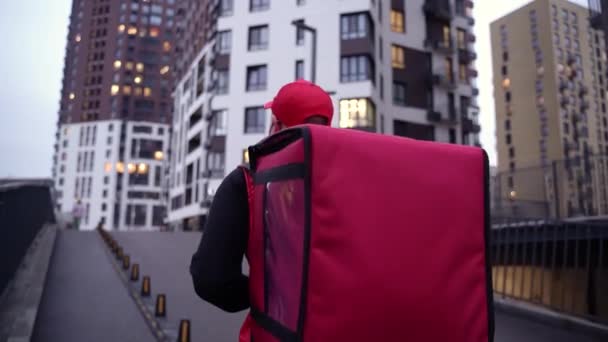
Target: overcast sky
point(31, 71)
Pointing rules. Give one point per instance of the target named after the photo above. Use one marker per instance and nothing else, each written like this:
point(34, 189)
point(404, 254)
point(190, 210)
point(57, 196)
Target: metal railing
point(561, 266)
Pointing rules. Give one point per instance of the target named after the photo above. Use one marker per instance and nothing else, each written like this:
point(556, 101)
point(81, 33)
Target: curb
point(20, 300)
point(551, 317)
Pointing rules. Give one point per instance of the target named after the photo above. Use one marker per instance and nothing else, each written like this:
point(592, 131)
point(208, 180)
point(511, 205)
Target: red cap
point(297, 101)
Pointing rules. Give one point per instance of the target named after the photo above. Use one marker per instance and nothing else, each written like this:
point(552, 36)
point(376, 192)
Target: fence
point(562, 189)
point(560, 266)
point(24, 208)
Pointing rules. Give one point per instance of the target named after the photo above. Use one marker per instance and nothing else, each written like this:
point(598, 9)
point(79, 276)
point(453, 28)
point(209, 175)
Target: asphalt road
point(165, 257)
point(84, 299)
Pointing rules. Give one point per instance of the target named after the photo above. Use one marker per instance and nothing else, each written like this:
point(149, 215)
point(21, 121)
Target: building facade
point(115, 110)
point(549, 69)
point(393, 67)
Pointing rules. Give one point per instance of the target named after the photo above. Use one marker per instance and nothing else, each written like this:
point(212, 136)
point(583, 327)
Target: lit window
point(138, 91)
point(117, 64)
point(132, 30)
point(126, 90)
point(139, 67)
point(142, 168)
point(137, 79)
point(164, 70)
point(357, 113)
point(154, 32)
point(115, 89)
point(131, 168)
point(246, 156)
point(143, 32)
point(159, 155)
point(398, 57)
point(120, 167)
point(108, 167)
point(167, 46)
point(147, 92)
point(461, 39)
point(513, 194)
point(506, 83)
point(72, 96)
point(121, 28)
point(397, 21)
point(129, 66)
point(78, 38)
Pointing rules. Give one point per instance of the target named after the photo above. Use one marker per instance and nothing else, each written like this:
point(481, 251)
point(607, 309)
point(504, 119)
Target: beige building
point(550, 84)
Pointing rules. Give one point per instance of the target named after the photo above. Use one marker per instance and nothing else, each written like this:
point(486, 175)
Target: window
point(461, 39)
point(398, 56)
point(508, 139)
point(504, 70)
point(399, 90)
point(397, 21)
point(224, 42)
point(219, 123)
point(300, 2)
point(226, 7)
point(512, 152)
point(505, 56)
point(358, 113)
point(299, 69)
point(354, 26)
point(508, 96)
point(258, 38)
point(356, 68)
point(223, 81)
point(462, 73)
point(452, 136)
point(508, 125)
point(449, 69)
point(255, 120)
point(256, 77)
point(460, 8)
point(215, 164)
point(259, 5)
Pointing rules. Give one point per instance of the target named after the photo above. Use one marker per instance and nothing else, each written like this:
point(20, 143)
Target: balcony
point(473, 73)
point(440, 45)
point(584, 106)
point(469, 126)
point(444, 81)
point(466, 56)
point(475, 91)
point(433, 116)
point(439, 9)
point(564, 102)
point(583, 90)
point(595, 19)
point(563, 86)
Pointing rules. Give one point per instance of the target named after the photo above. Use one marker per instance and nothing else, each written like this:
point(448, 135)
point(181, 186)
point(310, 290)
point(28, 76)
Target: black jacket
point(216, 266)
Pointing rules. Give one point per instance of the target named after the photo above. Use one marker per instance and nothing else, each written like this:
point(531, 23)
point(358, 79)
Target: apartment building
point(113, 128)
point(550, 92)
point(393, 67)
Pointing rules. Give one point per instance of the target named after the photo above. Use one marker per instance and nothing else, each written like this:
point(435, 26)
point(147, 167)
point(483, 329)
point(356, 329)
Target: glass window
point(258, 38)
point(354, 26)
point(219, 123)
point(259, 5)
point(399, 92)
point(256, 77)
point(356, 68)
point(398, 56)
point(397, 21)
point(223, 81)
point(224, 41)
point(461, 36)
point(357, 113)
point(226, 7)
point(255, 120)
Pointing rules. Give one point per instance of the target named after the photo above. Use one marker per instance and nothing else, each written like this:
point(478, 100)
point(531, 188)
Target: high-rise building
point(115, 110)
point(598, 15)
point(550, 93)
point(393, 67)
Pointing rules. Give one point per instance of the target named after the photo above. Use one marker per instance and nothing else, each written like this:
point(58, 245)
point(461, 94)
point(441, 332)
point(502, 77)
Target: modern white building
point(127, 192)
point(392, 67)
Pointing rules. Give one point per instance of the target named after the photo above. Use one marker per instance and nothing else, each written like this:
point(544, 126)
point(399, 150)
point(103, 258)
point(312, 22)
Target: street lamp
point(302, 26)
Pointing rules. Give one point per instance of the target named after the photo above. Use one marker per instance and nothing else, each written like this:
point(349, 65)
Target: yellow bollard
point(161, 306)
point(145, 287)
point(135, 272)
point(184, 331)
point(126, 262)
